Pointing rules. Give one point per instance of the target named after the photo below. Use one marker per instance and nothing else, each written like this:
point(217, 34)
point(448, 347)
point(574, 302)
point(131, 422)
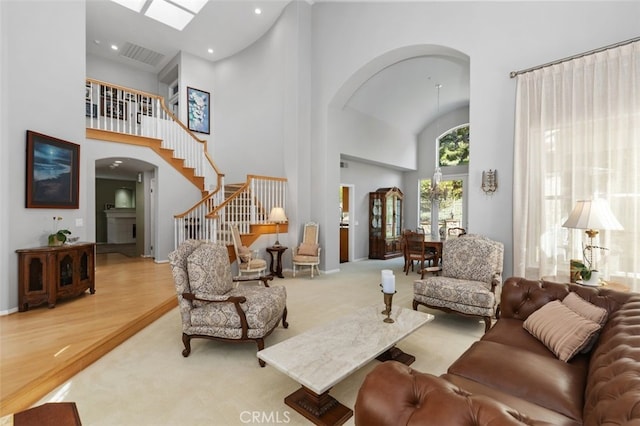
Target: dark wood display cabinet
point(46, 274)
point(385, 223)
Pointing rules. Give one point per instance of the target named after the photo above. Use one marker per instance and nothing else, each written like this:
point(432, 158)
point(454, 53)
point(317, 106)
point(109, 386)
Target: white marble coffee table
point(321, 357)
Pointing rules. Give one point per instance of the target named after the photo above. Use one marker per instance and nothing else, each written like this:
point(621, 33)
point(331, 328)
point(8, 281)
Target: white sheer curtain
point(578, 137)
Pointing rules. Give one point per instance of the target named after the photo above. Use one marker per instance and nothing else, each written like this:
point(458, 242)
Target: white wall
point(261, 105)
point(43, 81)
point(363, 136)
point(497, 36)
point(102, 69)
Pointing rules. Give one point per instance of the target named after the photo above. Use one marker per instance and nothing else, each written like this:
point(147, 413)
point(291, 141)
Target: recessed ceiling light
point(169, 14)
point(135, 5)
point(257, 11)
point(193, 5)
point(114, 47)
point(210, 50)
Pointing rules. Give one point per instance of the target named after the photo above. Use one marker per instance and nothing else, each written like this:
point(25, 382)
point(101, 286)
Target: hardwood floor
point(42, 348)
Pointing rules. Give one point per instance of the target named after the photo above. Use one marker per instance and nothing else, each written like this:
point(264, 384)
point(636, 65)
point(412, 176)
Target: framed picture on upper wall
point(198, 107)
point(52, 172)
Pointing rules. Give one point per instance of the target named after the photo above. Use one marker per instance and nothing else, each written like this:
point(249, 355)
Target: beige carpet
point(146, 381)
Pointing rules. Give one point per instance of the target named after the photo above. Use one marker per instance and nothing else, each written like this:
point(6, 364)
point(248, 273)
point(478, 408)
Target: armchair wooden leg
point(415, 305)
point(186, 339)
point(487, 323)
point(285, 324)
point(260, 343)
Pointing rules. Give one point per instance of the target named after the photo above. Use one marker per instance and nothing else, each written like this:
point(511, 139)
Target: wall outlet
point(79, 223)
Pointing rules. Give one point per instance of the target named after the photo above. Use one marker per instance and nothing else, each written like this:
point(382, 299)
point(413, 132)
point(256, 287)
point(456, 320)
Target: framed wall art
point(198, 107)
point(52, 172)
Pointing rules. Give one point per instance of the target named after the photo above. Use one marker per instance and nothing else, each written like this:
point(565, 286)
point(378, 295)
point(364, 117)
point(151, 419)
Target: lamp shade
point(592, 214)
point(277, 215)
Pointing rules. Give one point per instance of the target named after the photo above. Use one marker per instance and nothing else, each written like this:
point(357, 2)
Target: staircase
point(119, 114)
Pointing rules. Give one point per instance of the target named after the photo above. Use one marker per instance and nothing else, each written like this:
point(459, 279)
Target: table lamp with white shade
point(592, 215)
point(277, 216)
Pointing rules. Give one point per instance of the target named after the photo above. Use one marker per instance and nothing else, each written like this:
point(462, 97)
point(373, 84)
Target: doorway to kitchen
point(347, 214)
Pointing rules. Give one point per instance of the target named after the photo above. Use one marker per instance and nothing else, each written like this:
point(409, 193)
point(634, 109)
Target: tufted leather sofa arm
point(393, 394)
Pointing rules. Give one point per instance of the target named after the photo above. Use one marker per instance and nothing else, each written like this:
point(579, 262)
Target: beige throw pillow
point(245, 253)
point(585, 309)
point(561, 330)
point(308, 249)
point(589, 311)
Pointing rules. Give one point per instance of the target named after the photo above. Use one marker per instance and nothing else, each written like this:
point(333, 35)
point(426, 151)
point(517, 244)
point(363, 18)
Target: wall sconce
point(489, 181)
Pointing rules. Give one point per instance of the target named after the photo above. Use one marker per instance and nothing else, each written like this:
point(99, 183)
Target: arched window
point(451, 206)
point(453, 147)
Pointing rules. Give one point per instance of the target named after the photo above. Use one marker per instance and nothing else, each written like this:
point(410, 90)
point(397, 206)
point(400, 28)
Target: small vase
point(54, 241)
point(594, 280)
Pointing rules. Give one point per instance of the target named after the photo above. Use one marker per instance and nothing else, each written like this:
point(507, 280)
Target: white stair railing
point(113, 108)
point(119, 109)
point(210, 218)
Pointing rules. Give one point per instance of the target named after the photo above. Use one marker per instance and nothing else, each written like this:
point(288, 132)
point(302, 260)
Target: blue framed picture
point(198, 108)
point(52, 172)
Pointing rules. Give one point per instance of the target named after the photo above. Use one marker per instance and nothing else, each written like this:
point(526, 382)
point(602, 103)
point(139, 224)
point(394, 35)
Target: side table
point(277, 271)
point(606, 284)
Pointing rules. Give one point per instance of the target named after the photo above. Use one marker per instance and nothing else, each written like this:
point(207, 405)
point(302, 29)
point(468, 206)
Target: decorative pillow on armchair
point(308, 249)
point(245, 253)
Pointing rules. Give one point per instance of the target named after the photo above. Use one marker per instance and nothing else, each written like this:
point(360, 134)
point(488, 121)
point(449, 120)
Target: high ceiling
point(403, 95)
point(226, 26)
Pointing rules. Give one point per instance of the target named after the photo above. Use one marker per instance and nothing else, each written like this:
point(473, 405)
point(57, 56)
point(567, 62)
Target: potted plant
point(59, 237)
point(589, 276)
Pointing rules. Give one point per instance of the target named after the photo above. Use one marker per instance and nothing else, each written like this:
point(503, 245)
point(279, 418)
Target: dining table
point(436, 244)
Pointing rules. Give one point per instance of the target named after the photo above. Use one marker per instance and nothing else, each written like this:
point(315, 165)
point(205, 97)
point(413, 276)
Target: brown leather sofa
point(510, 378)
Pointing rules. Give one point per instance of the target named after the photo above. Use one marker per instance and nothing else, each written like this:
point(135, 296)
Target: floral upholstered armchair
point(210, 305)
point(470, 280)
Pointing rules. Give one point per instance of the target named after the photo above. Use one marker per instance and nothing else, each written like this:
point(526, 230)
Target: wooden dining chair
point(416, 250)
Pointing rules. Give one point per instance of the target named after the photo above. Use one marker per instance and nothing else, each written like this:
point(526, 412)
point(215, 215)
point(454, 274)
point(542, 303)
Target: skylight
point(169, 14)
point(135, 5)
point(174, 13)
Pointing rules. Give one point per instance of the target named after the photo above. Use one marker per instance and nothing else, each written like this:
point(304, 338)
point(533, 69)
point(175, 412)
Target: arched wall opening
point(384, 156)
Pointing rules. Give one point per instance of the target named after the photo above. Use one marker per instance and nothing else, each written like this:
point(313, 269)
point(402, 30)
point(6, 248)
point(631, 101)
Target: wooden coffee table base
point(396, 354)
point(324, 409)
point(321, 409)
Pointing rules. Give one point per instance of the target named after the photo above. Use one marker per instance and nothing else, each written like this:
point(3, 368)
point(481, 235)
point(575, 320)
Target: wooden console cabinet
point(48, 273)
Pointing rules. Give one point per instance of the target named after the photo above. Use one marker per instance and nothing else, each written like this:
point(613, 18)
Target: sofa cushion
point(511, 333)
point(563, 331)
point(263, 308)
point(542, 380)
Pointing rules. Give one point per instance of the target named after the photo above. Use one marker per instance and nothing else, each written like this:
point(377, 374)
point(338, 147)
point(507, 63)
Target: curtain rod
point(513, 74)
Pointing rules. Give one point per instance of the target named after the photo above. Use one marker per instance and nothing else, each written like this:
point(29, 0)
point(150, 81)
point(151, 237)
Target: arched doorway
point(396, 90)
point(124, 207)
